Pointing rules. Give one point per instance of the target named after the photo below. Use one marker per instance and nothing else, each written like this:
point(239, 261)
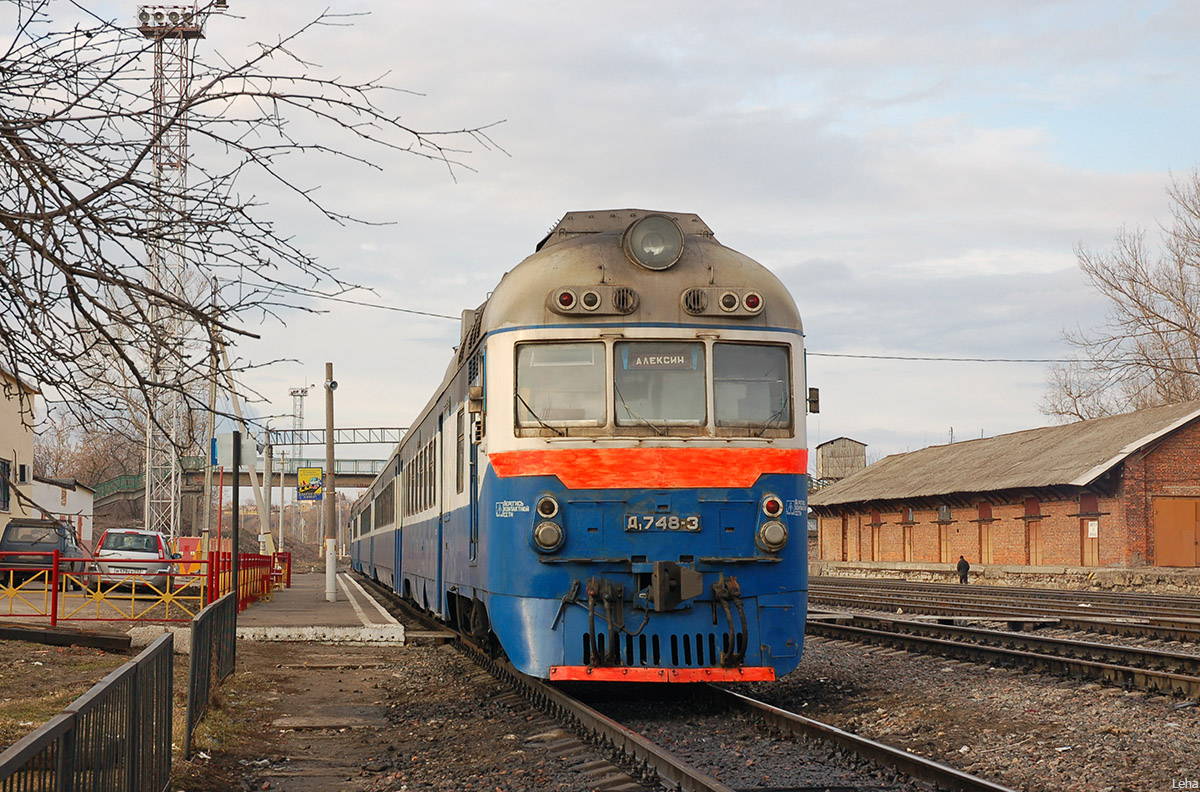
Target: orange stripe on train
point(611, 468)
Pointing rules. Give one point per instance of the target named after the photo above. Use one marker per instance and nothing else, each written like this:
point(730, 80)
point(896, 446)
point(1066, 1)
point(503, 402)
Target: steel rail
point(1116, 623)
point(1136, 656)
point(904, 762)
point(1145, 679)
point(1181, 602)
point(630, 750)
point(652, 763)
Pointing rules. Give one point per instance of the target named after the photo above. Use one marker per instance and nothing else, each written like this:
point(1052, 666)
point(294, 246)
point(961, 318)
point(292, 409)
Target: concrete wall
point(16, 439)
point(71, 505)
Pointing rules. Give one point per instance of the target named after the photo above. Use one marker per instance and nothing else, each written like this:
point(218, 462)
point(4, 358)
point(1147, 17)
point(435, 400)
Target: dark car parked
point(27, 545)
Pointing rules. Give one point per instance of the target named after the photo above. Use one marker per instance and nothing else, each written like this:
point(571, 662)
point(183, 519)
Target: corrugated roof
point(1074, 454)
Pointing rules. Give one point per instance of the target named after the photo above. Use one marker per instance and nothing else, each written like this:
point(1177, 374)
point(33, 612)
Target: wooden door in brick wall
point(1089, 541)
point(944, 543)
point(845, 538)
point(908, 544)
point(986, 545)
point(1033, 541)
point(1177, 532)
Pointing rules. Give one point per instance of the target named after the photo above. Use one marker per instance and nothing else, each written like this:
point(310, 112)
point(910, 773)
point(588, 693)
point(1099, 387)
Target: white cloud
point(917, 173)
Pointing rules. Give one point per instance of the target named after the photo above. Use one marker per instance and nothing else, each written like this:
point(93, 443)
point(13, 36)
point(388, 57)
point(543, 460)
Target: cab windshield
point(560, 384)
point(659, 383)
point(656, 387)
point(751, 386)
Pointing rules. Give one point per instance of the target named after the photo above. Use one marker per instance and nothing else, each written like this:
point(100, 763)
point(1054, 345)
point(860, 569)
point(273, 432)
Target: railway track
point(954, 631)
point(1141, 616)
point(839, 759)
point(1126, 666)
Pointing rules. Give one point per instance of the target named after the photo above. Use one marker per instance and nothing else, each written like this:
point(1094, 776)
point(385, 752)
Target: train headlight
point(654, 242)
point(772, 536)
point(772, 506)
point(547, 507)
point(548, 536)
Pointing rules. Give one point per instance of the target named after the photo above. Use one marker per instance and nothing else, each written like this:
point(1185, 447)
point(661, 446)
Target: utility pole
point(330, 491)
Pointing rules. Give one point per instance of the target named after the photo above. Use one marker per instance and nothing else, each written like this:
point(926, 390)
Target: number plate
point(662, 522)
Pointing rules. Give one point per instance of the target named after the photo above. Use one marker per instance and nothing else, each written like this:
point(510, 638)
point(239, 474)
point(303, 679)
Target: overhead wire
point(810, 353)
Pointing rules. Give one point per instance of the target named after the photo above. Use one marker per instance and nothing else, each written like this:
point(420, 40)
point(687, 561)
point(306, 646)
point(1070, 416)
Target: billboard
point(309, 483)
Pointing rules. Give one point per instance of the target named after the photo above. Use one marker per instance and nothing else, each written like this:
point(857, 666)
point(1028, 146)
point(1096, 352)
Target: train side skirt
point(623, 674)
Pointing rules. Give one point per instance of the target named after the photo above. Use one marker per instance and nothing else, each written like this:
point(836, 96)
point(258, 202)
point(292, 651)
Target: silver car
point(133, 556)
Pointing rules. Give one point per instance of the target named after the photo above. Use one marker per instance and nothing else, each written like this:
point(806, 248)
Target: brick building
point(1121, 491)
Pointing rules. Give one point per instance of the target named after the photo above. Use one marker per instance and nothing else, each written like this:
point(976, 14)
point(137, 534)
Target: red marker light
point(772, 507)
point(566, 299)
point(753, 302)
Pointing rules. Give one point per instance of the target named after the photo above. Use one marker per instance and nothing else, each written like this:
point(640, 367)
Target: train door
point(439, 499)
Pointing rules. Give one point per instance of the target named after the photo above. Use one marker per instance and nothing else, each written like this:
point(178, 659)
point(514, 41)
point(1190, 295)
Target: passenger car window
point(659, 384)
point(752, 386)
point(560, 385)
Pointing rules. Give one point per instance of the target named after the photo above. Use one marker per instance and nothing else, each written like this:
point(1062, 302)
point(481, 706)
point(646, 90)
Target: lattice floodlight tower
point(297, 395)
point(170, 28)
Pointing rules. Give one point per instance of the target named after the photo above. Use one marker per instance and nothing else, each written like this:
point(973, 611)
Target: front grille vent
point(624, 299)
point(695, 301)
point(687, 650)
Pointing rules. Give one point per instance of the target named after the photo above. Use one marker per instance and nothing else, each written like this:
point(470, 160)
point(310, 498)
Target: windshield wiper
point(629, 410)
point(775, 416)
point(538, 418)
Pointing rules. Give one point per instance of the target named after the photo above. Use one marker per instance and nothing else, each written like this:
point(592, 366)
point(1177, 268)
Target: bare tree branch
point(84, 314)
point(1147, 351)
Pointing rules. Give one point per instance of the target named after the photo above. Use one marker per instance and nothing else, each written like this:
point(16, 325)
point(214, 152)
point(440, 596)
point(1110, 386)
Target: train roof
point(586, 251)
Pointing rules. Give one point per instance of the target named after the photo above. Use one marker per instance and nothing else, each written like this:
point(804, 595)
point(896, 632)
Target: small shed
point(840, 458)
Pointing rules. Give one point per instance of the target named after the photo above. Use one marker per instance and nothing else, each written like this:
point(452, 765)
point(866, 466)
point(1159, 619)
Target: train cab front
point(681, 605)
point(660, 585)
point(644, 465)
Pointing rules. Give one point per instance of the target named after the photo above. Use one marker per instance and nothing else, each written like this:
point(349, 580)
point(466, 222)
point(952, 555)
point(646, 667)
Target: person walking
point(963, 568)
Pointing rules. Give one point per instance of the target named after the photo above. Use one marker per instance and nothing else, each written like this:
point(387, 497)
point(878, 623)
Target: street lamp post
point(330, 492)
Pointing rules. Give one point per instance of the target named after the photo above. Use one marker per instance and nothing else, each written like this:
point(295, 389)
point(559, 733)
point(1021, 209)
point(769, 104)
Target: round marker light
point(566, 299)
point(548, 536)
point(590, 300)
point(772, 506)
point(772, 536)
point(654, 242)
point(729, 302)
point(547, 507)
point(753, 302)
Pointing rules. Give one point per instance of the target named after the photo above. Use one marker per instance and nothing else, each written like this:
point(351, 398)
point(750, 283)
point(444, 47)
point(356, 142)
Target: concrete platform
point(301, 613)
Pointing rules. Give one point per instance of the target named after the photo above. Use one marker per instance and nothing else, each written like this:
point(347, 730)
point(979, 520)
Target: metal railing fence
point(214, 633)
point(114, 738)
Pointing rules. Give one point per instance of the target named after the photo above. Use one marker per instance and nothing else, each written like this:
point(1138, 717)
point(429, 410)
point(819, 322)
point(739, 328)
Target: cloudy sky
point(918, 173)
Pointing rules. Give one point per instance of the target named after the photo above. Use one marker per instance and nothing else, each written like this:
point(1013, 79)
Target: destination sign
point(675, 357)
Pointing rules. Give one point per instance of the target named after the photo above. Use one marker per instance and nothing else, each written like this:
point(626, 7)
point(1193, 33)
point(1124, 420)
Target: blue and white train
point(610, 480)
